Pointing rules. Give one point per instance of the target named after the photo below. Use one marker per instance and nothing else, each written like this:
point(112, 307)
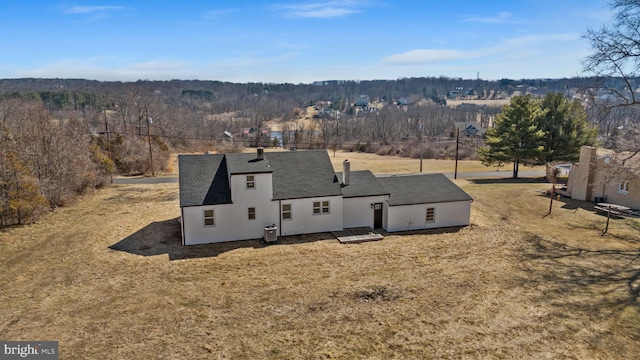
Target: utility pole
point(149, 138)
point(106, 128)
point(421, 143)
point(337, 136)
point(455, 174)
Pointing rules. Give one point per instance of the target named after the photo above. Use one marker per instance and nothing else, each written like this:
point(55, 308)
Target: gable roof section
point(203, 180)
point(246, 163)
point(302, 174)
point(422, 189)
point(362, 183)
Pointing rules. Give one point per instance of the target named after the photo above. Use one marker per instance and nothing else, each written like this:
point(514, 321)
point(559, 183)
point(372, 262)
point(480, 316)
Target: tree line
point(45, 162)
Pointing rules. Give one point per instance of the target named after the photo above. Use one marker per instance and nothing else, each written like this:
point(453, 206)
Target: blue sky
point(296, 41)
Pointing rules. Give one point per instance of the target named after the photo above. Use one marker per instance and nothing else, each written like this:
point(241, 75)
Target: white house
point(227, 197)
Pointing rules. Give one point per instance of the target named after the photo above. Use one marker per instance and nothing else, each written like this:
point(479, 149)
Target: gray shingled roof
point(362, 183)
point(247, 163)
point(203, 180)
point(422, 189)
point(302, 174)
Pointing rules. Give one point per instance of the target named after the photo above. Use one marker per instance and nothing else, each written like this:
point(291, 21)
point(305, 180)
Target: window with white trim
point(623, 187)
point(251, 182)
point(286, 212)
point(431, 215)
point(320, 207)
point(252, 213)
point(209, 217)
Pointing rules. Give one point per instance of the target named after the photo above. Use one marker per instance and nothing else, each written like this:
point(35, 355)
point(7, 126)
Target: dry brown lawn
point(108, 279)
point(379, 164)
point(389, 164)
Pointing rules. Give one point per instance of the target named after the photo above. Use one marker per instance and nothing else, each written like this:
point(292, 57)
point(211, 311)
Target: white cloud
point(97, 69)
point(503, 17)
point(217, 14)
point(425, 56)
point(254, 61)
point(93, 13)
point(533, 55)
point(533, 39)
point(322, 9)
point(529, 44)
point(93, 9)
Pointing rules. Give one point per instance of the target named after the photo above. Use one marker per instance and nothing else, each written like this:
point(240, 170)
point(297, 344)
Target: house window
point(623, 187)
point(252, 213)
point(431, 215)
point(251, 182)
point(209, 218)
point(286, 212)
point(320, 207)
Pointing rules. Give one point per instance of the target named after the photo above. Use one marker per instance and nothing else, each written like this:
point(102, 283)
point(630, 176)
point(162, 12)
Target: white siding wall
point(231, 220)
point(412, 217)
point(263, 191)
point(303, 221)
point(358, 211)
point(232, 223)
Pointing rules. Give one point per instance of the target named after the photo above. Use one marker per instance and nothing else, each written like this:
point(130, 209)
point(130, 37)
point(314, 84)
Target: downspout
point(280, 216)
point(182, 224)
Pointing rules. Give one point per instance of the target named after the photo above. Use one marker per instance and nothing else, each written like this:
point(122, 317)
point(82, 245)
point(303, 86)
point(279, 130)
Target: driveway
point(164, 179)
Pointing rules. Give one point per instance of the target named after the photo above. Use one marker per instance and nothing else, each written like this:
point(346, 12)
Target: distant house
point(254, 135)
point(605, 177)
point(471, 129)
point(362, 101)
point(328, 113)
point(228, 197)
point(455, 94)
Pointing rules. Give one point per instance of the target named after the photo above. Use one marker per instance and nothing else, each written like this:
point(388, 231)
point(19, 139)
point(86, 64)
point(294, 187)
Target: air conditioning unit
point(270, 234)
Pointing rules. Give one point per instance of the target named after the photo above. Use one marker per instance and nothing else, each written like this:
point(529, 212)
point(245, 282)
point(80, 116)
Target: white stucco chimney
point(260, 155)
point(346, 172)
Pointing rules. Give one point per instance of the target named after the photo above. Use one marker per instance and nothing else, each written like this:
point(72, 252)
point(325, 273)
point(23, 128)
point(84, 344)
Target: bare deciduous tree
point(616, 51)
point(615, 57)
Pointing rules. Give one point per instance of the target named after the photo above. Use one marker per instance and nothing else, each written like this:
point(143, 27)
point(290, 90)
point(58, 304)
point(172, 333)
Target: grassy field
point(396, 165)
point(109, 280)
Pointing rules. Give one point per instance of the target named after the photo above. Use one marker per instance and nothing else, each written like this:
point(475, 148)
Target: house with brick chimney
point(604, 176)
point(239, 196)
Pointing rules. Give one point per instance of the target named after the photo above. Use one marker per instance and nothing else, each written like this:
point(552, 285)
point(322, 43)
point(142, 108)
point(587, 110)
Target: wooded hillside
point(61, 137)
